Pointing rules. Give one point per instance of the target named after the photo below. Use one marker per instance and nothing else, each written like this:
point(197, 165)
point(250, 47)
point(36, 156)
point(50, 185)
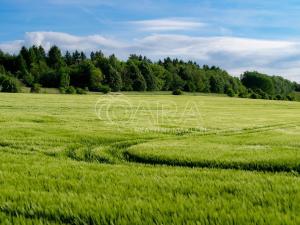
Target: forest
point(75, 72)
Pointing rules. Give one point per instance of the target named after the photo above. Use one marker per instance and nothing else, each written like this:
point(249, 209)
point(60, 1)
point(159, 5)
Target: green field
point(148, 158)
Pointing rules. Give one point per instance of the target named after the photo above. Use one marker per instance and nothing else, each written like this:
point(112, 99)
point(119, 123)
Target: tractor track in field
point(118, 152)
point(214, 164)
point(250, 166)
point(232, 132)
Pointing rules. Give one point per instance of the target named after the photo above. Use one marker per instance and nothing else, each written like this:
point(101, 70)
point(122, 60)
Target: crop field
point(148, 158)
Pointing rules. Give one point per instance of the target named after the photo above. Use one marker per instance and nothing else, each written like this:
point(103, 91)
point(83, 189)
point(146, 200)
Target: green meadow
point(148, 158)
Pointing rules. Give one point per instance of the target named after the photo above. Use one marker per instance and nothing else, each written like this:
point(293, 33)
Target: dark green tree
point(113, 79)
point(68, 58)
point(55, 60)
point(148, 75)
point(138, 81)
point(64, 78)
point(255, 81)
point(86, 74)
point(9, 84)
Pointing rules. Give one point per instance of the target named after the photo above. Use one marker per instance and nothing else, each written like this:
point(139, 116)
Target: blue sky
point(237, 35)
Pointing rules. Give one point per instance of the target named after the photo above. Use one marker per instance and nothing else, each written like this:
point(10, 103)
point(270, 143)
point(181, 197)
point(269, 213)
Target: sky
point(237, 35)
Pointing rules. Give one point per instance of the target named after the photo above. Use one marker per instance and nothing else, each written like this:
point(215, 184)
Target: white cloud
point(71, 42)
point(234, 54)
point(209, 48)
point(12, 46)
point(171, 24)
point(231, 53)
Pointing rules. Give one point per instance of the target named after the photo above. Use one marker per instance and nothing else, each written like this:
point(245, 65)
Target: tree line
point(74, 72)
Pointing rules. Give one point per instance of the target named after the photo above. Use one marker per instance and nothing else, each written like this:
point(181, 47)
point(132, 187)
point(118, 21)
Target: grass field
point(162, 159)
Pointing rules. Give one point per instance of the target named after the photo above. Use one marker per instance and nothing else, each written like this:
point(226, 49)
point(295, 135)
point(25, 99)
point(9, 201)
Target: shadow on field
point(250, 166)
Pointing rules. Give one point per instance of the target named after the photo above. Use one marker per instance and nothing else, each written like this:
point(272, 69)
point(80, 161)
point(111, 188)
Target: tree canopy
point(34, 67)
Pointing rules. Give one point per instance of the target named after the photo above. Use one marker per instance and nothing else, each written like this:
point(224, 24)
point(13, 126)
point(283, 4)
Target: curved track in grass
point(254, 149)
